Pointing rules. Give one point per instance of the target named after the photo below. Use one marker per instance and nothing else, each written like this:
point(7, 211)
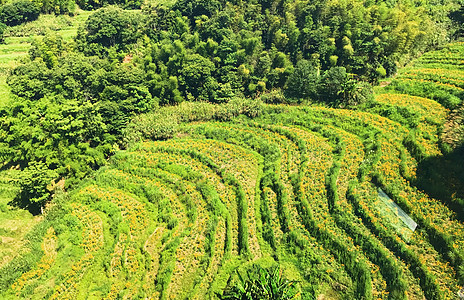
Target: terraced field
point(296, 185)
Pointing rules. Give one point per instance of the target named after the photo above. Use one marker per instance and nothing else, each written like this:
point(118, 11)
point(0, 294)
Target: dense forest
point(139, 77)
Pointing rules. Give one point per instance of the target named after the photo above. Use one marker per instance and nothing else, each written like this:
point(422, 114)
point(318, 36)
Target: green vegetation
point(17, 42)
point(261, 283)
point(17, 12)
point(34, 187)
point(124, 63)
point(159, 149)
point(18, 226)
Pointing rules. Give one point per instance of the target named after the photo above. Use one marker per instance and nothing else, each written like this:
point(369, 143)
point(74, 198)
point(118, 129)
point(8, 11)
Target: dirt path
point(453, 129)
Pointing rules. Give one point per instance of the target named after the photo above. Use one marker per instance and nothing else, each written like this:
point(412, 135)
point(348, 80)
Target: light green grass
point(15, 223)
point(161, 2)
point(4, 90)
point(48, 23)
point(10, 52)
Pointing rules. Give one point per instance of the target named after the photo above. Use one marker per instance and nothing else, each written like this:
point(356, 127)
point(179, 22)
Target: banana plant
point(260, 283)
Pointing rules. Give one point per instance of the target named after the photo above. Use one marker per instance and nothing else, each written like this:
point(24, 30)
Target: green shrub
point(43, 24)
point(165, 122)
point(3, 28)
point(381, 72)
point(260, 283)
point(56, 6)
point(274, 97)
point(338, 89)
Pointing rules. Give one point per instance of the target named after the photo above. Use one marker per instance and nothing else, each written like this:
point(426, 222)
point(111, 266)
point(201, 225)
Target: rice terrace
point(331, 201)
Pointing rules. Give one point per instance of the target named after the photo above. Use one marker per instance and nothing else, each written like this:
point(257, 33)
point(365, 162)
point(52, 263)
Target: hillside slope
point(296, 185)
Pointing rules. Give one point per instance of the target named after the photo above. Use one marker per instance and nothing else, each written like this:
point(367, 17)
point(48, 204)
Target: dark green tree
point(303, 82)
point(56, 6)
point(163, 21)
point(35, 183)
point(194, 75)
point(336, 85)
point(17, 12)
point(196, 8)
point(338, 88)
point(457, 17)
point(109, 26)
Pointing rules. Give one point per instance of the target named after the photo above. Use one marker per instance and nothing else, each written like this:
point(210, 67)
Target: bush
point(56, 6)
point(43, 25)
point(381, 72)
point(260, 283)
point(164, 123)
point(156, 126)
point(274, 97)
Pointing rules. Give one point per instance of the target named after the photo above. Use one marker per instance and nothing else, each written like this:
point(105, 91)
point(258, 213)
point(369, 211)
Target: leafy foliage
point(230, 184)
point(304, 82)
point(17, 12)
point(3, 27)
point(107, 27)
point(260, 283)
point(56, 6)
point(35, 185)
point(337, 88)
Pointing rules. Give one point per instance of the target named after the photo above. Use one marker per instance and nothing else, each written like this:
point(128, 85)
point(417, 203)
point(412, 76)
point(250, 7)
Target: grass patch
point(4, 91)
point(14, 223)
point(62, 23)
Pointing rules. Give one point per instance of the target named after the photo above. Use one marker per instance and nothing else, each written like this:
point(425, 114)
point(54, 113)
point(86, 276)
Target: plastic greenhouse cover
point(397, 210)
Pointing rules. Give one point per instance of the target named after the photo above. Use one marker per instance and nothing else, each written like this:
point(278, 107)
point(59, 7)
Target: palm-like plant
point(260, 283)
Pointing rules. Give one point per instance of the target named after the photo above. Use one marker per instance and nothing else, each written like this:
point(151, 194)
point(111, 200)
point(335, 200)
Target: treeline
point(73, 100)
point(15, 12)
